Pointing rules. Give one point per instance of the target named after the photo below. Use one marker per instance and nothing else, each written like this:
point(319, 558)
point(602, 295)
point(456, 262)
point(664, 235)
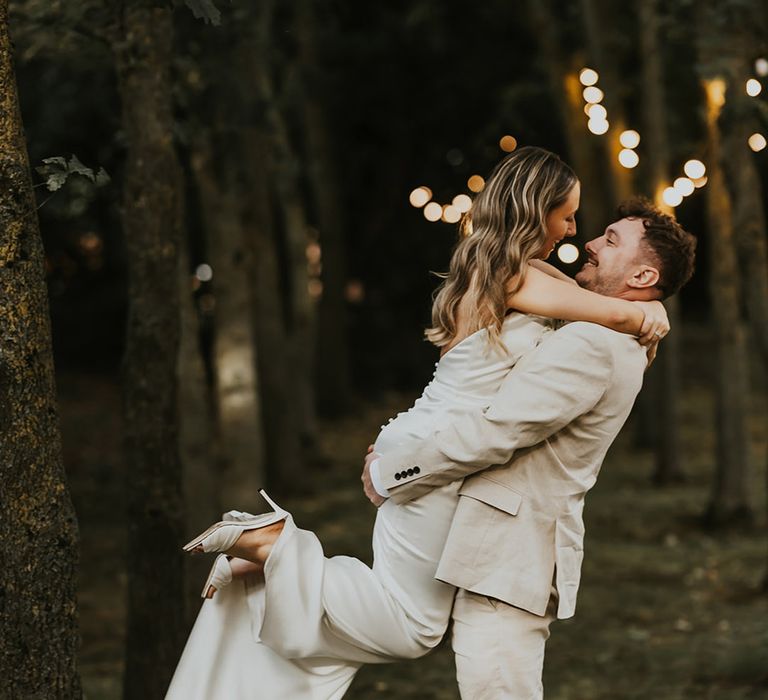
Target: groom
point(527, 460)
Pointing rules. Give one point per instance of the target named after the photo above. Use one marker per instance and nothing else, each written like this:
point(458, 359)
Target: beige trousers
point(499, 648)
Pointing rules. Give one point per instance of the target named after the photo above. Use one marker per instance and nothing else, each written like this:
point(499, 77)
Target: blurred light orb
point(204, 272)
point(754, 88)
point(629, 138)
point(672, 197)
point(454, 157)
point(694, 169)
point(420, 196)
point(588, 77)
point(597, 126)
point(593, 95)
point(628, 158)
point(596, 112)
point(462, 202)
point(433, 211)
point(451, 214)
point(354, 292)
point(508, 143)
point(757, 142)
point(700, 182)
point(568, 253)
point(684, 186)
point(761, 67)
point(476, 183)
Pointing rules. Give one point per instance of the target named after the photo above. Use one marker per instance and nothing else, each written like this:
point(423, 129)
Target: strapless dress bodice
point(465, 378)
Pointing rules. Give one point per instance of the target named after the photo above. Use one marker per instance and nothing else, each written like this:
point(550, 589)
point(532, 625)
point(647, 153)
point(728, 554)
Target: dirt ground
point(666, 610)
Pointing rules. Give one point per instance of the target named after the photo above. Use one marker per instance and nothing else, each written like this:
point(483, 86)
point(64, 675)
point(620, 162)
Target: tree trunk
point(38, 530)
point(332, 360)
point(566, 92)
point(664, 376)
point(235, 355)
point(152, 190)
point(730, 496)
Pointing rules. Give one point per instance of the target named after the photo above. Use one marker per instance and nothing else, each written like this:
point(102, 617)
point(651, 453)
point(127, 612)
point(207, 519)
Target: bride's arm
point(544, 295)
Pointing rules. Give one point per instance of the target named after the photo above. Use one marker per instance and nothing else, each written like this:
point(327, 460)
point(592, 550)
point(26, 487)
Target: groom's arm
point(554, 384)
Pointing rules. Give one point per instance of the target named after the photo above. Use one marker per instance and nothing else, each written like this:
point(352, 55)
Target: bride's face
point(561, 222)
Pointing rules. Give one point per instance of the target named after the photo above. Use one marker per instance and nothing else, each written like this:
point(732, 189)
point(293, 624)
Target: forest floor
point(667, 610)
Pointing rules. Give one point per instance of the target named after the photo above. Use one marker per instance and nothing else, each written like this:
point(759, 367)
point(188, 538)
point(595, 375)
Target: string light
point(672, 197)
point(598, 126)
point(568, 253)
point(761, 67)
point(476, 183)
point(593, 94)
point(757, 142)
point(588, 77)
point(204, 272)
point(508, 143)
point(629, 138)
point(628, 158)
point(684, 186)
point(754, 88)
point(462, 202)
point(433, 211)
point(694, 169)
point(596, 112)
point(451, 214)
point(420, 196)
point(699, 182)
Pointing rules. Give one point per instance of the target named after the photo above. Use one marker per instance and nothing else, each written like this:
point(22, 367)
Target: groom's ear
point(644, 277)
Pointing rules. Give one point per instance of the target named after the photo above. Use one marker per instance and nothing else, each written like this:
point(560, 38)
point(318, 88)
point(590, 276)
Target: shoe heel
point(274, 505)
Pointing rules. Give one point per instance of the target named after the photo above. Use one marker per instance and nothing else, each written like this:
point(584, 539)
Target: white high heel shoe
point(222, 536)
point(219, 576)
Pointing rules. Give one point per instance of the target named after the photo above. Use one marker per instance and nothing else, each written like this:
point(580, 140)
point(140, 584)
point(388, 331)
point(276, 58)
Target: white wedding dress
point(303, 634)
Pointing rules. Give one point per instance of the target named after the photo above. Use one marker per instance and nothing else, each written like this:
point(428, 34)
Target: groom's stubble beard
point(611, 285)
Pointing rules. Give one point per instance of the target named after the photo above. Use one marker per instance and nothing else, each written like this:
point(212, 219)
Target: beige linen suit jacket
point(527, 460)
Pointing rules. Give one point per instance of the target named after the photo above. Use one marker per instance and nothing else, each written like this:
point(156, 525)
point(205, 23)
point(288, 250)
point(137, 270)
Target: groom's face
point(613, 258)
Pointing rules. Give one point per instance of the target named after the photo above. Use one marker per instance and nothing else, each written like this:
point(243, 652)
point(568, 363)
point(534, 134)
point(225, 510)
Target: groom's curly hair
point(672, 246)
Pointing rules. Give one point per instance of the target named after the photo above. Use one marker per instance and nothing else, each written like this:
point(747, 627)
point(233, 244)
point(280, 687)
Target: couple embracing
point(480, 485)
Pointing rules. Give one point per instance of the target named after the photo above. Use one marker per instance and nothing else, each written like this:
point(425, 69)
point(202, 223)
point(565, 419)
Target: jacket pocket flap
point(492, 493)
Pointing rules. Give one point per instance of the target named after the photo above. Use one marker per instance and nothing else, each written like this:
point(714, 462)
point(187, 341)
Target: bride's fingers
point(210, 592)
point(370, 449)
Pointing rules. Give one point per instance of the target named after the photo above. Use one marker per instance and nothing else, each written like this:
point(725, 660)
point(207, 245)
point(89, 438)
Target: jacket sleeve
point(563, 378)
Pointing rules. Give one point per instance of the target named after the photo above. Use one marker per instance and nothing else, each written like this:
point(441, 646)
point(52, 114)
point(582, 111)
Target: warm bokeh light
point(754, 88)
point(588, 77)
point(672, 197)
point(568, 253)
point(354, 291)
point(451, 214)
point(462, 202)
point(629, 138)
point(596, 112)
point(628, 158)
point(700, 182)
point(420, 196)
point(597, 126)
point(694, 169)
point(715, 89)
point(508, 143)
point(761, 67)
point(204, 272)
point(684, 186)
point(433, 211)
point(476, 183)
point(757, 142)
point(592, 95)
point(315, 288)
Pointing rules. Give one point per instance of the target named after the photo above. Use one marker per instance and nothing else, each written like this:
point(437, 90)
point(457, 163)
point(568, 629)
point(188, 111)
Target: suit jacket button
point(410, 472)
point(416, 470)
point(398, 477)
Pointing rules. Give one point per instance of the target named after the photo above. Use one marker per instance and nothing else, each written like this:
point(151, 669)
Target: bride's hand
point(655, 324)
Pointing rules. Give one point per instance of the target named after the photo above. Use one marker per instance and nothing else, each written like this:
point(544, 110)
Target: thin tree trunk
point(332, 361)
point(152, 188)
point(38, 530)
point(664, 376)
point(729, 502)
point(235, 354)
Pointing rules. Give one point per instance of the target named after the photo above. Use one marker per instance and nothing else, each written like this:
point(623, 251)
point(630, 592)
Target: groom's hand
point(368, 489)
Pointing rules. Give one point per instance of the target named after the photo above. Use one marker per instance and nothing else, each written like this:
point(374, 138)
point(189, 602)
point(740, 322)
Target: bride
point(293, 624)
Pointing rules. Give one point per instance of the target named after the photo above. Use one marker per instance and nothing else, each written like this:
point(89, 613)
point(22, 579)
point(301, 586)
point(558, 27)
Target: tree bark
point(152, 190)
point(38, 530)
point(729, 501)
point(664, 376)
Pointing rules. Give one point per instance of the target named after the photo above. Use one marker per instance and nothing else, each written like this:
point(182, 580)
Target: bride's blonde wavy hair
point(503, 230)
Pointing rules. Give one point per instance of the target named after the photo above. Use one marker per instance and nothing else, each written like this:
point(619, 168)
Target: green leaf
point(205, 10)
point(102, 178)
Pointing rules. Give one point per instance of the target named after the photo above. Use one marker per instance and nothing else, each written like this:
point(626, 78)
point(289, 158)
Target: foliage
point(57, 169)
